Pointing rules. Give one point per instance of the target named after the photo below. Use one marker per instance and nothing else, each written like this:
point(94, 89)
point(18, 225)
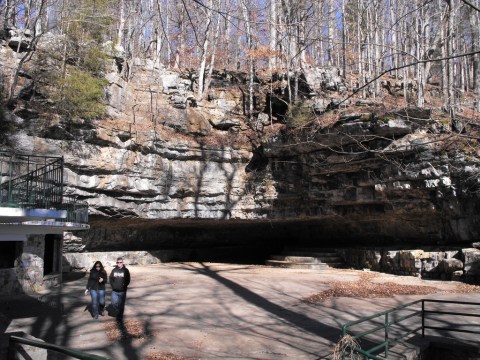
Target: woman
point(96, 287)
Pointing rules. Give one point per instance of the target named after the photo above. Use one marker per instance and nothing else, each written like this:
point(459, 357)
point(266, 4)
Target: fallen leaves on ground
point(463, 288)
point(164, 356)
point(365, 288)
point(129, 329)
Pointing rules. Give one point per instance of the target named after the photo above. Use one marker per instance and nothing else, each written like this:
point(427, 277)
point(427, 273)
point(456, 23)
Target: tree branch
point(402, 67)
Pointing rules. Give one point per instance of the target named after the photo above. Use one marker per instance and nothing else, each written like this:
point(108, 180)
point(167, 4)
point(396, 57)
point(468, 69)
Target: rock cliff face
point(166, 170)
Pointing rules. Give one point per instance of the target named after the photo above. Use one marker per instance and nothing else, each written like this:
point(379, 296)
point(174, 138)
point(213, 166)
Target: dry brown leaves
point(165, 356)
point(463, 288)
point(129, 329)
point(365, 288)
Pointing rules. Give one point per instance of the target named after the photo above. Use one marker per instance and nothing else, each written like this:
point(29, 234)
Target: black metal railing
point(30, 181)
point(37, 182)
point(77, 211)
point(52, 347)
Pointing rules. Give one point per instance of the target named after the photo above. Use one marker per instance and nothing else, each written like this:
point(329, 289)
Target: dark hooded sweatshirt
point(119, 279)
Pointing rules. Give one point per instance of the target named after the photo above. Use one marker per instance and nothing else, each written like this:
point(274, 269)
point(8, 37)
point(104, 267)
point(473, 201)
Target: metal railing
point(30, 181)
point(385, 321)
point(36, 182)
point(52, 347)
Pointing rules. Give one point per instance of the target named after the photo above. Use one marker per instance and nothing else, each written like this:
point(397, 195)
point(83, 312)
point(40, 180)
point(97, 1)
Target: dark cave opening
point(240, 241)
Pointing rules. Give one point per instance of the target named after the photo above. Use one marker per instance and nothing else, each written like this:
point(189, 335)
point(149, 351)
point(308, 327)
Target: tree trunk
point(419, 51)
point(474, 21)
point(121, 22)
point(248, 30)
point(212, 58)
point(203, 62)
point(344, 41)
point(272, 61)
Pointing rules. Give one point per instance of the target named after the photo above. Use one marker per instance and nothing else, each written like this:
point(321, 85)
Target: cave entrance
point(230, 241)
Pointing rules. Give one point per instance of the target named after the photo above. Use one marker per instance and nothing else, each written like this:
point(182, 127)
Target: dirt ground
point(221, 311)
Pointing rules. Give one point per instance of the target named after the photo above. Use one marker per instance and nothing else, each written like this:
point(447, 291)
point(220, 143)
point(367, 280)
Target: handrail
point(36, 182)
point(77, 354)
point(387, 323)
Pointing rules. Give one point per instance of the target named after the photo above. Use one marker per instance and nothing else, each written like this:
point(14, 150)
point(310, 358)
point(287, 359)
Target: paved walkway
point(211, 311)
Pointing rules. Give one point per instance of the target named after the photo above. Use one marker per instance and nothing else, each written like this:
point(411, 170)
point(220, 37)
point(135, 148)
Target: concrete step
point(307, 259)
point(325, 257)
point(336, 265)
point(307, 253)
point(294, 265)
point(309, 249)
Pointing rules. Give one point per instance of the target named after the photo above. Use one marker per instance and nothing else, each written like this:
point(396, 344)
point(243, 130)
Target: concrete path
point(212, 311)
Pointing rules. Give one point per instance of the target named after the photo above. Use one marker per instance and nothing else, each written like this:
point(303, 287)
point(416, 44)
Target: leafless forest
point(432, 43)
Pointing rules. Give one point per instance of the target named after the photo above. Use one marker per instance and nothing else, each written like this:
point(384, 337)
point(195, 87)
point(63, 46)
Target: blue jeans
point(98, 301)
point(118, 302)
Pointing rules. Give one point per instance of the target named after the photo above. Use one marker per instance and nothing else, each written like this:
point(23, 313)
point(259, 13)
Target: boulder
point(225, 105)
point(472, 262)
point(320, 105)
point(393, 127)
point(449, 266)
point(169, 80)
point(196, 123)
point(179, 102)
point(19, 40)
point(263, 119)
point(323, 78)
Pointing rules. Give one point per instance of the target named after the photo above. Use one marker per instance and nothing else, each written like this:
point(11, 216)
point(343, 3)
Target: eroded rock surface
point(373, 176)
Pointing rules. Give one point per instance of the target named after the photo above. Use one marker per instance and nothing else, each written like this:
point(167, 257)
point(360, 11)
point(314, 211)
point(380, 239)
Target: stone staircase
point(306, 258)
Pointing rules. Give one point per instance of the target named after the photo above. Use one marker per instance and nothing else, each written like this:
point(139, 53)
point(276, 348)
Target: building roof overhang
point(16, 223)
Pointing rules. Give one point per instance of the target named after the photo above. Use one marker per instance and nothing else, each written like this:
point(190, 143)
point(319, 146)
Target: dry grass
point(129, 329)
point(463, 288)
point(365, 288)
point(345, 347)
point(165, 356)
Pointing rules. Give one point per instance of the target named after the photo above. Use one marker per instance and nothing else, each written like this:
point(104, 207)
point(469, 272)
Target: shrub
point(80, 96)
point(93, 59)
point(298, 115)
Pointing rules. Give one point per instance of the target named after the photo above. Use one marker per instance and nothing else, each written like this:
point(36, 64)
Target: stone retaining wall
point(77, 261)
point(456, 264)
point(27, 275)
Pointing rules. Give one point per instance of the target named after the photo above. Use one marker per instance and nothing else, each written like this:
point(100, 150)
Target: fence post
point(423, 318)
point(386, 335)
point(10, 171)
point(11, 349)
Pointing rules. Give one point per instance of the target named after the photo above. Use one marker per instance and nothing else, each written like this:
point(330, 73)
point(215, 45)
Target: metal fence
point(382, 330)
point(36, 182)
point(76, 354)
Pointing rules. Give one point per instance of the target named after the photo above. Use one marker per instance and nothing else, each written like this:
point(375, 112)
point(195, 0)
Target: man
point(119, 280)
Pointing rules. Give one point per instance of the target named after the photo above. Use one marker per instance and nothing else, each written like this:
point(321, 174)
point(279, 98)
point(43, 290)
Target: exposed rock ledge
point(371, 177)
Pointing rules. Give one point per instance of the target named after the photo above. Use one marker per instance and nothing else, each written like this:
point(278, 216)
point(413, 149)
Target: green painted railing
point(59, 349)
point(36, 182)
point(390, 318)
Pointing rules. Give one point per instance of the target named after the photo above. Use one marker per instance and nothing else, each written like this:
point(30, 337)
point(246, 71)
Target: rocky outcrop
point(457, 265)
point(162, 154)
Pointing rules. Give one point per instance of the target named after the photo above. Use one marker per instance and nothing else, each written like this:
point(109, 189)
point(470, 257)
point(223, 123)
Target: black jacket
point(93, 283)
point(119, 279)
